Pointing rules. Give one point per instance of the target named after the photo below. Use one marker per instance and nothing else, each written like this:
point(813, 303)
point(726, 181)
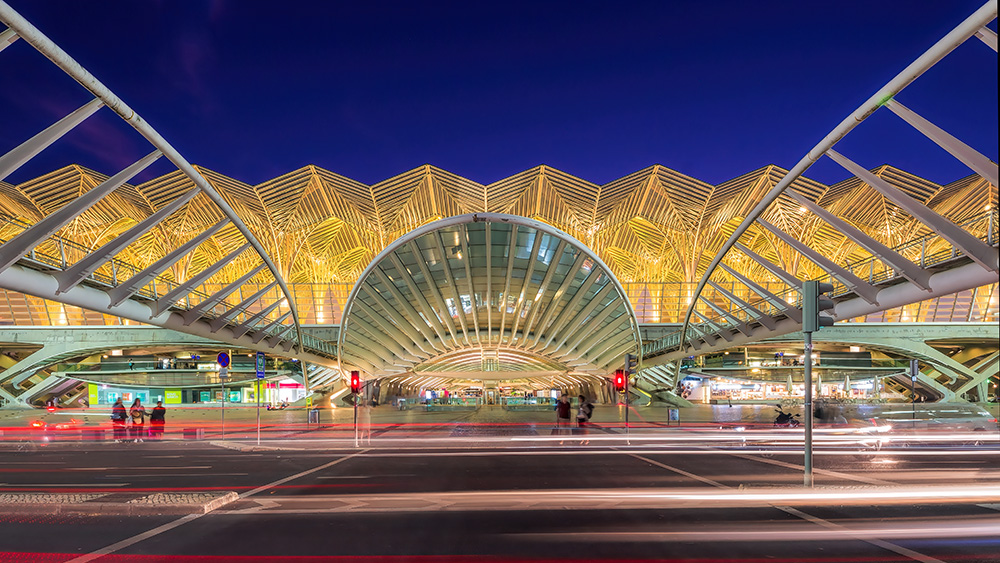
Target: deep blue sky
point(598, 89)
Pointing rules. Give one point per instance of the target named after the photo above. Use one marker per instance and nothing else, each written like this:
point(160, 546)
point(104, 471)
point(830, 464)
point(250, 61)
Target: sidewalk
point(115, 503)
point(240, 422)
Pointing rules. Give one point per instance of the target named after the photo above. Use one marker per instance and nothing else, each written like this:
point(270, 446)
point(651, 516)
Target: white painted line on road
point(682, 472)
point(188, 518)
point(827, 472)
point(160, 467)
point(868, 537)
point(815, 520)
point(297, 475)
point(32, 463)
point(367, 476)
point(990, 506)
point(160, 475)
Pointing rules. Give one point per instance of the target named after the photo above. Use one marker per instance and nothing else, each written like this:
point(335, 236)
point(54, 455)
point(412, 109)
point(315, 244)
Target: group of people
point(584, 410)
point(130, 424)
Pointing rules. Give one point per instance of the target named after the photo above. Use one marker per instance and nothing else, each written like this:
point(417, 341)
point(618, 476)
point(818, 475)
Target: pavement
point(508, 498)
point(114, 503)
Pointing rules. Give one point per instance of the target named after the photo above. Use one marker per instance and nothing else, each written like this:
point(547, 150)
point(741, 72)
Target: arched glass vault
point(487, 296)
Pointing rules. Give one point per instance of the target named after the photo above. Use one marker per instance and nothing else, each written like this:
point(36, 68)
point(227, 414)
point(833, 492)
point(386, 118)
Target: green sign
point(172, 396)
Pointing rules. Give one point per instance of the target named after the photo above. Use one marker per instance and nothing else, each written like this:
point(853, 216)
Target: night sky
point(486, 90)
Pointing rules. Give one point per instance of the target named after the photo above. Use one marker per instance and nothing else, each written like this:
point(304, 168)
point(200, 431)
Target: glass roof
point(484, 293)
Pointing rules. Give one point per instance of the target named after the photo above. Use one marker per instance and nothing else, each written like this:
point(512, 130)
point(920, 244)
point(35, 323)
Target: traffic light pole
point(627, 429)
point(808, 478)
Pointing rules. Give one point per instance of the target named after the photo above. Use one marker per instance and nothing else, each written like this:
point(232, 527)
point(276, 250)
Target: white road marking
point(874, 540)
point(682, 472)
point(160, 475)
point(827, 472)
point(815, 520)
point(367, 476)
point(160, 467)
point(188, 518)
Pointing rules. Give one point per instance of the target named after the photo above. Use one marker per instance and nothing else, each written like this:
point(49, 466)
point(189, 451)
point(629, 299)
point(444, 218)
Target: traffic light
point(813, 303)
point(631, 361)
point(355, 382)
point(620, 380)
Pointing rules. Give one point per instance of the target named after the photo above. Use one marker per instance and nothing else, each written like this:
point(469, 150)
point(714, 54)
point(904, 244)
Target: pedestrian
point(131, 365)
point(583, 414)
point(157, 420)
point(365, 422)
point(138, 414)
point(562, 414)
point(118, 416)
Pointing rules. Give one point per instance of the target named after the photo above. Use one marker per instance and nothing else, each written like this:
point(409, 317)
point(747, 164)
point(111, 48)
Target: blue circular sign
point(223, 359)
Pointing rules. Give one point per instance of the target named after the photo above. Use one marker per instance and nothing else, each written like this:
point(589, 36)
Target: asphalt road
point(506, 499)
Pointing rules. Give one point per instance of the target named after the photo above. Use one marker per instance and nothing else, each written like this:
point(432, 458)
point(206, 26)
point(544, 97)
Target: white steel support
point(773, 299)
point(7, 37)
point(136, 282)
point(974, 25)
point(220, 321)
point(890, 257)
point(762, 317)
point(185, 288)
point(963, 152)
point(781, 274)
point(28, 149)
point(857, 285)
point(14, 249)
point(104, 96)
point(89, 264)
point(969, 245)
point(199, 310)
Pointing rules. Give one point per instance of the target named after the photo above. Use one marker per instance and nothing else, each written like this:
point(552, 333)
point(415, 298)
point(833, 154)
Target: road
point(460, 493)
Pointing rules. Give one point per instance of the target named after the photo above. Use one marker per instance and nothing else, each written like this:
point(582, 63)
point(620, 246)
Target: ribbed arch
point(487, 293)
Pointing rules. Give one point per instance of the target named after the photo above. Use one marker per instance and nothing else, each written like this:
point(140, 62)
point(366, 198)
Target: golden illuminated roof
point(654, 225)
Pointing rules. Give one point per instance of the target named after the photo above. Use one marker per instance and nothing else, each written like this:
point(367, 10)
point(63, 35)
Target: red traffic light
point(620, 380)
point(355, 382)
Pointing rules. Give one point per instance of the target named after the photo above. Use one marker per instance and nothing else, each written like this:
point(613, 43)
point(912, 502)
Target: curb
point(134, 507)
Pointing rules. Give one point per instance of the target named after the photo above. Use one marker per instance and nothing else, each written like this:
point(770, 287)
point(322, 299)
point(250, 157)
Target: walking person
point(157, 420)
point(138, 415)
point(365, 422)
point(118, 416)
point(562, 415)
point(583, 414)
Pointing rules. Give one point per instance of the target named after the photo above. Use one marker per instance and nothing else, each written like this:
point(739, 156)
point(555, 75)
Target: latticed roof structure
point(654, 225)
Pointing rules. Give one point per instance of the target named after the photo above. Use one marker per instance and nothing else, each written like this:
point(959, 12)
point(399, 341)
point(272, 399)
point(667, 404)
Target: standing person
point(138, 414)
point(562, 414)
point(157, 420)
point(583, 414)
point(118, 416)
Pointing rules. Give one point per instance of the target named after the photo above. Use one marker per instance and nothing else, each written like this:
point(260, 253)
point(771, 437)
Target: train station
point(798, 363)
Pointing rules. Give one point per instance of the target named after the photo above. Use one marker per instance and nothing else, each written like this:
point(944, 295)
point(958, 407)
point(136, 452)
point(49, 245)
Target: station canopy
point(490, 297)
